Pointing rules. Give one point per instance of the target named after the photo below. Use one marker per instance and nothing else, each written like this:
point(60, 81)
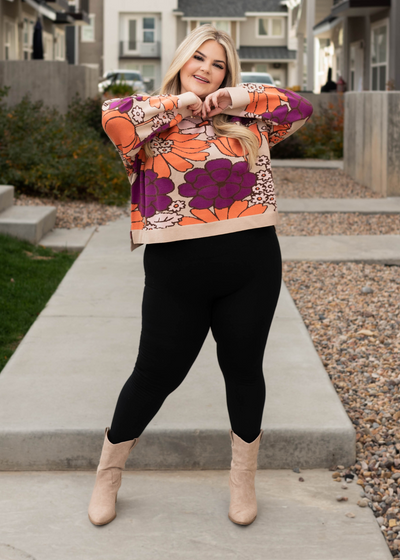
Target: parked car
point(132, 78)
point(257, 78)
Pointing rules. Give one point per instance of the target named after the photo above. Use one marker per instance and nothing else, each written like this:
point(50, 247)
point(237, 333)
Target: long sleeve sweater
point(198, 184)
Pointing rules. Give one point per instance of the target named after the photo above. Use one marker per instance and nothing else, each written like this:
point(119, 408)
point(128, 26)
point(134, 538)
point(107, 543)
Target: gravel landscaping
point(352, 312)
point(75, 214)
point(317, 183)
point(311, 223)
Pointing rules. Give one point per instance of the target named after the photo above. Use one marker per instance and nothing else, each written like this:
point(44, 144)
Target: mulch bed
point(352, 312)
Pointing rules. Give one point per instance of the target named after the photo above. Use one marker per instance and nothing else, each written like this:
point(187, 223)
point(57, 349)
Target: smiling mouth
point(201, 79)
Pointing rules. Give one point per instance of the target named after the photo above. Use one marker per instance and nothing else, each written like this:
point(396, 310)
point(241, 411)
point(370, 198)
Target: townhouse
point(358, 39)
point(145, 40)
point(58, 18)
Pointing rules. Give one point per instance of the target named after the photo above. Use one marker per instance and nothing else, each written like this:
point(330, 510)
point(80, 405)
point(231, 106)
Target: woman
point(203, 201)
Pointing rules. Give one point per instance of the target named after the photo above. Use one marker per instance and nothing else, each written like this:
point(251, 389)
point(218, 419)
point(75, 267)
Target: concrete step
point(6, 197)
point(59, 389)
point(184, 516)
point(62, 239)
point(390, 205)
point(307, 163)
point(28, 222)
point(383, 249)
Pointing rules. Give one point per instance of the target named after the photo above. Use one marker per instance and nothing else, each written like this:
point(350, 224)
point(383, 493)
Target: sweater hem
point(177, 233)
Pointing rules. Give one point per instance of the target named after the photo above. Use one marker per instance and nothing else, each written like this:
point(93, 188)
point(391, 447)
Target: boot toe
point(242, 517)
point(102, 517)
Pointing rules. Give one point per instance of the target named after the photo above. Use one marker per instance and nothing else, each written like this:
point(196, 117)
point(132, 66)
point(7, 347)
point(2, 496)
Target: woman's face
point(205, 71)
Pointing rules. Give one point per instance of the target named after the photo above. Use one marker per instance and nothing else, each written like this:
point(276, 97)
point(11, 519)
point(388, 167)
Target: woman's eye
point(219, 66)
point(197, 57)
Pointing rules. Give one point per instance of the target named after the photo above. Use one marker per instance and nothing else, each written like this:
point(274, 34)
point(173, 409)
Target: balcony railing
point(139, 49)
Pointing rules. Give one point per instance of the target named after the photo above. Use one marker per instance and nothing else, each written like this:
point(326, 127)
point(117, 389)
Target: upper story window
point(219, 24)
point(149, 26)
point(269, 27)
point(379, 56)
point(87, 31)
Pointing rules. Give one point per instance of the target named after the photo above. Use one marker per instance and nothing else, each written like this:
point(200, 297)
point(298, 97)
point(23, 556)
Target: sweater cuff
point(240, 97)
point(187, 98)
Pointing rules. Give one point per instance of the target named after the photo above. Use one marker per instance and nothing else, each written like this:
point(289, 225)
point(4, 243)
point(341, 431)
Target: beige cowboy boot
point(108, 480)
point(243, 506)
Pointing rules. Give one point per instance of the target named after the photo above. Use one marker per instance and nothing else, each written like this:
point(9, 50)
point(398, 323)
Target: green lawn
point(29, 275)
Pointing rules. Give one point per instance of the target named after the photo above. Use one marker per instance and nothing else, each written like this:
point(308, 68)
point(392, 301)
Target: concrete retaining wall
point(372, 140)
point(322, 100)
point(54, 82)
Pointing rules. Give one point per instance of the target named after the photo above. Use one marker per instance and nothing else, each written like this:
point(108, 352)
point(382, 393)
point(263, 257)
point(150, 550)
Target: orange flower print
point(169, 101)
point(119, 127)
point(239, 209)
point(136, 218)
point(261, 103)
point(172, 149)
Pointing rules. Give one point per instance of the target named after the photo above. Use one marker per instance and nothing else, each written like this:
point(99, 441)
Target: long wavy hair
point(172, 85)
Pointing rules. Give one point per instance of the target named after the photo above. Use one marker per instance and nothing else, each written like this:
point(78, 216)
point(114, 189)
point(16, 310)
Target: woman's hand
point(197, 107)
point(215, 103)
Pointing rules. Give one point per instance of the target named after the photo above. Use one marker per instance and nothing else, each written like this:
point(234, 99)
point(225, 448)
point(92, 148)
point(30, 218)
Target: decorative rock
point(380, 520)
point(296, 470)
point(341, 498)
point(363, 502)
point(350, 514)
point(367, 290)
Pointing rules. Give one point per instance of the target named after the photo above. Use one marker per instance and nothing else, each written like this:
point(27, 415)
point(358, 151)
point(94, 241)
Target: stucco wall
point(54, 82)
point(372, 140)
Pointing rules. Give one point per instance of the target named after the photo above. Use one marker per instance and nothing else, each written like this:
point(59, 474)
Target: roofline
point(280, 60)
point(212, 18)
point(266, 14)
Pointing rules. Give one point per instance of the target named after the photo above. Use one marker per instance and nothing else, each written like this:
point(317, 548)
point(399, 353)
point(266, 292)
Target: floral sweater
point(198, 184)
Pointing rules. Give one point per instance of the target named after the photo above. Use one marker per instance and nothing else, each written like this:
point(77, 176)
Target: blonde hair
point(172, 85)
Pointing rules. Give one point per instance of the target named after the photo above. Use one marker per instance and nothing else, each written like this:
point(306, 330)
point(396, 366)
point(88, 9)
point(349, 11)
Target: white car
point(257, 78)
point(132, 78)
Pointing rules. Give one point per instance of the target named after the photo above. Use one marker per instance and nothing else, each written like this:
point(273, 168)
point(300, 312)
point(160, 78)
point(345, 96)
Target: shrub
point(44, 153)
point(321, 137)
point(119, 89)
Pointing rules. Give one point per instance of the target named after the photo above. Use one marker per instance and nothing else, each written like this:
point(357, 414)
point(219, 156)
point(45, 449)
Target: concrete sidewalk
point(382, 249)
point(59, 389)
point(390, 205)
point(183, 516)
point(308, 163)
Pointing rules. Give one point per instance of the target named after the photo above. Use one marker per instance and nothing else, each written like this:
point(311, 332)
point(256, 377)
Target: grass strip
point(29, 275)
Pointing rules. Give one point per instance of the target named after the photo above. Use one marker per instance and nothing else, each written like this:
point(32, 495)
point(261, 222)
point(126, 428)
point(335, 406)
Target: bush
point(119, 89)
point(44, 153)
point(321, 137)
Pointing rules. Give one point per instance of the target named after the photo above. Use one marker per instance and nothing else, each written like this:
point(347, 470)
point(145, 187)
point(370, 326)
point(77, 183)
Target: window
point(132, 35)
point(379, 57)
point(59, 45)
point(27, 38)
point(87, 31)
point(10, 43)
point(269, 27)
point(48, 43)
point(149, 25)
point(221, 25)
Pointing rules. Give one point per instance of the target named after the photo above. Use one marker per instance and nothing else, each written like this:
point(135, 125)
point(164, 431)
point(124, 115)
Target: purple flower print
point(149, 192)
point(300, 108)
point(218, 184)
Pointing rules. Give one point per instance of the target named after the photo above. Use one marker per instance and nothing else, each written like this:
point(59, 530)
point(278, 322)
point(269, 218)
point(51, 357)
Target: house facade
point(358, 39)
point(146, 40)
point(18, 19)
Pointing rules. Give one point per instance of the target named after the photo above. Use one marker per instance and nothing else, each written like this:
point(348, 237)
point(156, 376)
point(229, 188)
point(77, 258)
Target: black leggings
point(228, 282)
